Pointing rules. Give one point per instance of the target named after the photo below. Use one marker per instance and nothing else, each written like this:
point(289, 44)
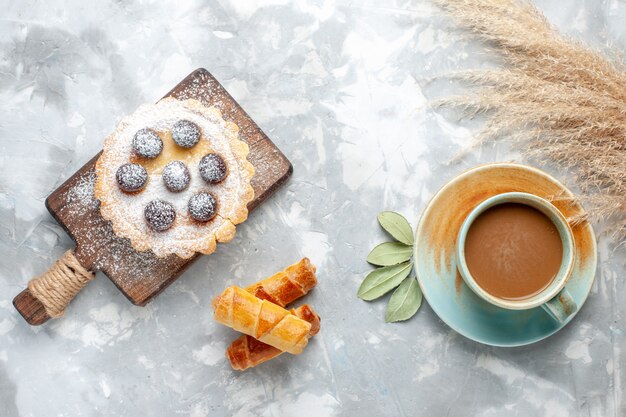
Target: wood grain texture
point(30, 308)
point(141, 275)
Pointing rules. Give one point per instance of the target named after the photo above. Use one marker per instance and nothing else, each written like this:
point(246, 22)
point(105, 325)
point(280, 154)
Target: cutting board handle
point(48, 295)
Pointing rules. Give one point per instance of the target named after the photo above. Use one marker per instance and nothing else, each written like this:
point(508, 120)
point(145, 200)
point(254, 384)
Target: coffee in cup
point(516, 251)
point(513, 251)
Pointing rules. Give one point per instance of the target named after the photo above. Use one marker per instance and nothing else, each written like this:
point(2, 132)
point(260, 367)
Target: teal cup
point(554, 299)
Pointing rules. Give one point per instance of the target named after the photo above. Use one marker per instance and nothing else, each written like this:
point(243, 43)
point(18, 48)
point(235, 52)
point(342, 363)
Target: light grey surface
point(341, 88)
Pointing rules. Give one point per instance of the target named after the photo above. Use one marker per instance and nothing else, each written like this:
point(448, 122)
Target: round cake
point(174, 178)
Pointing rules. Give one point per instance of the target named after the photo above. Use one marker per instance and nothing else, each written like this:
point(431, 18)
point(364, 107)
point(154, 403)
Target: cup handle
point(561, 307)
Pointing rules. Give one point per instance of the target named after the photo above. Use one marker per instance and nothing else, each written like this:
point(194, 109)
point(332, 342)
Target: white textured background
point(341, 87)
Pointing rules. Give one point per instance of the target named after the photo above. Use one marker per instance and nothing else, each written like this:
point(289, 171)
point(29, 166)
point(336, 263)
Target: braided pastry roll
point(281, 288)
point(287, 285)
point(246, 352)
point(261, 319)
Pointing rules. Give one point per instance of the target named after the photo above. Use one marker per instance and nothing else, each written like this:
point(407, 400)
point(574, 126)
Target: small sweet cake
point(174, 178)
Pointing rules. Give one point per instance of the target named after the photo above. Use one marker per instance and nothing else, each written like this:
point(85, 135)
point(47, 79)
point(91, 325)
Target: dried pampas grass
point(566, 102)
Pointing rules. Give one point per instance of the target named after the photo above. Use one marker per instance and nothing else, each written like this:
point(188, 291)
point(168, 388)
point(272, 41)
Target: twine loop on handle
point(56, 287)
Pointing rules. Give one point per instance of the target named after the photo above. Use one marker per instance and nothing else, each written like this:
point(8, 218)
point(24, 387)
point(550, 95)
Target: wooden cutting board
point(141, 275)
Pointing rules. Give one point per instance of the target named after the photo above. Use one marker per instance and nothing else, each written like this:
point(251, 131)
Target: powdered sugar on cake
point(186, 236)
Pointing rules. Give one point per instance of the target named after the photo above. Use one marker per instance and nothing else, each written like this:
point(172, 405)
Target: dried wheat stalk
point(565, 101)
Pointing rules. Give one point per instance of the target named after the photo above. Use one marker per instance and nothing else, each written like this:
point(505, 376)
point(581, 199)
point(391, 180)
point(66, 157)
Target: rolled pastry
point(282, 288)
point(261, 319)
point(287, 285)
point(246, 352)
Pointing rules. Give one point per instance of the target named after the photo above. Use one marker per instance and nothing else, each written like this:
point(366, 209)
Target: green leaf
point(390, 253)
point(397, 226)
point(382, 280)
point(404, 302)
